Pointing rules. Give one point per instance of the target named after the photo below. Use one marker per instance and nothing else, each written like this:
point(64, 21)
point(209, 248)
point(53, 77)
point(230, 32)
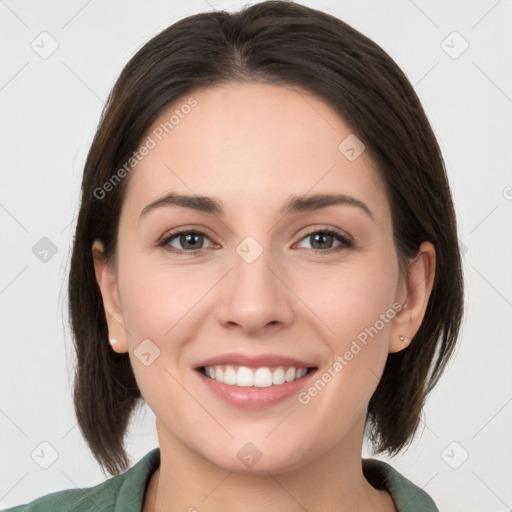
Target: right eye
point(190, 241)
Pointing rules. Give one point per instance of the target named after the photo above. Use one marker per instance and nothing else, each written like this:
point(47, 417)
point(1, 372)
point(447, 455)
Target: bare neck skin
point(333, 482)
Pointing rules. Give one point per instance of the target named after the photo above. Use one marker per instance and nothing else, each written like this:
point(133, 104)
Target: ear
point(413, 294)
point(107, 282)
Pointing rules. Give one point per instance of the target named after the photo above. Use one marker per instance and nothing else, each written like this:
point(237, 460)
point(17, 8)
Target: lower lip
point(250, 397)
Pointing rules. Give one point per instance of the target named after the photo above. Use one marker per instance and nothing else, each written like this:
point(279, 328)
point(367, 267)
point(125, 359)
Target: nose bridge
point(256, 296)
point(252, 277)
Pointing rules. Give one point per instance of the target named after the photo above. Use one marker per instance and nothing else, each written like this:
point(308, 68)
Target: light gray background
point(50, 108)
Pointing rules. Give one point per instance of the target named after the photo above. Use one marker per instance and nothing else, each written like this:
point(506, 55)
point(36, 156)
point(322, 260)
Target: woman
point(228, 142)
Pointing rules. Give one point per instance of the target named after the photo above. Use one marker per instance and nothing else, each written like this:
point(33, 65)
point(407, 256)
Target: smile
point(262, 377)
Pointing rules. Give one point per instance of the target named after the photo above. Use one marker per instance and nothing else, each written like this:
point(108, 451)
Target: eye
point(322, 240)
point(189, 240)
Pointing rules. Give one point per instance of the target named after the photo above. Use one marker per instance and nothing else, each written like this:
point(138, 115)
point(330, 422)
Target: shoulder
point(125, 491)
point(100, 498)
point(406, 495)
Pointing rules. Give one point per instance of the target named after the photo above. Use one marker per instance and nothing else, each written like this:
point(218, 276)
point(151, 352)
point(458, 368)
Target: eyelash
point(345, 241)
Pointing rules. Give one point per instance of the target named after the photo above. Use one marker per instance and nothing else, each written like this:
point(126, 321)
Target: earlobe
point(417, 287)
point(107, 282)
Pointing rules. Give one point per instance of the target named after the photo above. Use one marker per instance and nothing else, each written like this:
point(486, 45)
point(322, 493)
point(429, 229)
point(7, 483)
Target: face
point(319, 284)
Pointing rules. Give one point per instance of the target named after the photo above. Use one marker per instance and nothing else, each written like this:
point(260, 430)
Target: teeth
point(247, 377)
point(244, 376)
point(262, 378)
point(289, 375)
point(230, 376)
point(278, 376)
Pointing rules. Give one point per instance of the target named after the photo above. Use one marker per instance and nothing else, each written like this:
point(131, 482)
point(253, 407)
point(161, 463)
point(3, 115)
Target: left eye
point(326, 237)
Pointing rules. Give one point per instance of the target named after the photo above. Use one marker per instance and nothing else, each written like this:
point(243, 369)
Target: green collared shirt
point(125, 492)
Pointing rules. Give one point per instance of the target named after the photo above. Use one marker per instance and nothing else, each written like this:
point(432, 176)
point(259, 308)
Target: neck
point(334, 481)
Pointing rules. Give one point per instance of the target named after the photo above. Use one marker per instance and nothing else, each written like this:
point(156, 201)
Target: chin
point(259, 456)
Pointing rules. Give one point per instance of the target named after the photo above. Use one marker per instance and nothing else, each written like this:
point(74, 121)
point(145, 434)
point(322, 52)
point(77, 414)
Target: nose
point(256, 296)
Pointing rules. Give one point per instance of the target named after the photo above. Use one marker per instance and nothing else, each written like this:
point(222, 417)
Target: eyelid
point(327, 229)
point(184, 229)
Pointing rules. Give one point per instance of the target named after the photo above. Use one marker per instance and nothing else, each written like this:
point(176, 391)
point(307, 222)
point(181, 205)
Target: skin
point(251, 146)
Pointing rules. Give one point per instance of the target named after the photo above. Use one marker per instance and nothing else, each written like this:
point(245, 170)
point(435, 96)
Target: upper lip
point(254, 361)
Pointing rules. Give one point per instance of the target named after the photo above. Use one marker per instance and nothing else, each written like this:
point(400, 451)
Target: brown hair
point(290, 45)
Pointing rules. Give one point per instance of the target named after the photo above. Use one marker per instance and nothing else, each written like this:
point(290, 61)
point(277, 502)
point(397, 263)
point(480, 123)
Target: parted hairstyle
point(294, 46)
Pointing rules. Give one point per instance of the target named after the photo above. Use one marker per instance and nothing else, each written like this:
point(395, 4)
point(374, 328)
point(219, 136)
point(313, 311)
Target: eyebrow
point(294, 204)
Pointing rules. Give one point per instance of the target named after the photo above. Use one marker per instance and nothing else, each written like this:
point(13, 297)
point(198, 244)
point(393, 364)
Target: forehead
point(251, 141)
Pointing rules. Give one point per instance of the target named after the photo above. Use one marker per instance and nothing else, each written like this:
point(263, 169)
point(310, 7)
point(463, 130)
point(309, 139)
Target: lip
point(246, 397)
point(254, 361)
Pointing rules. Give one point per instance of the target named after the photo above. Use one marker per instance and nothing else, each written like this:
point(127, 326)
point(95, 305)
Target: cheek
point(351, 298)
point(158, 307)
point(162, 303)
point(355, 306)
point(157, 297)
